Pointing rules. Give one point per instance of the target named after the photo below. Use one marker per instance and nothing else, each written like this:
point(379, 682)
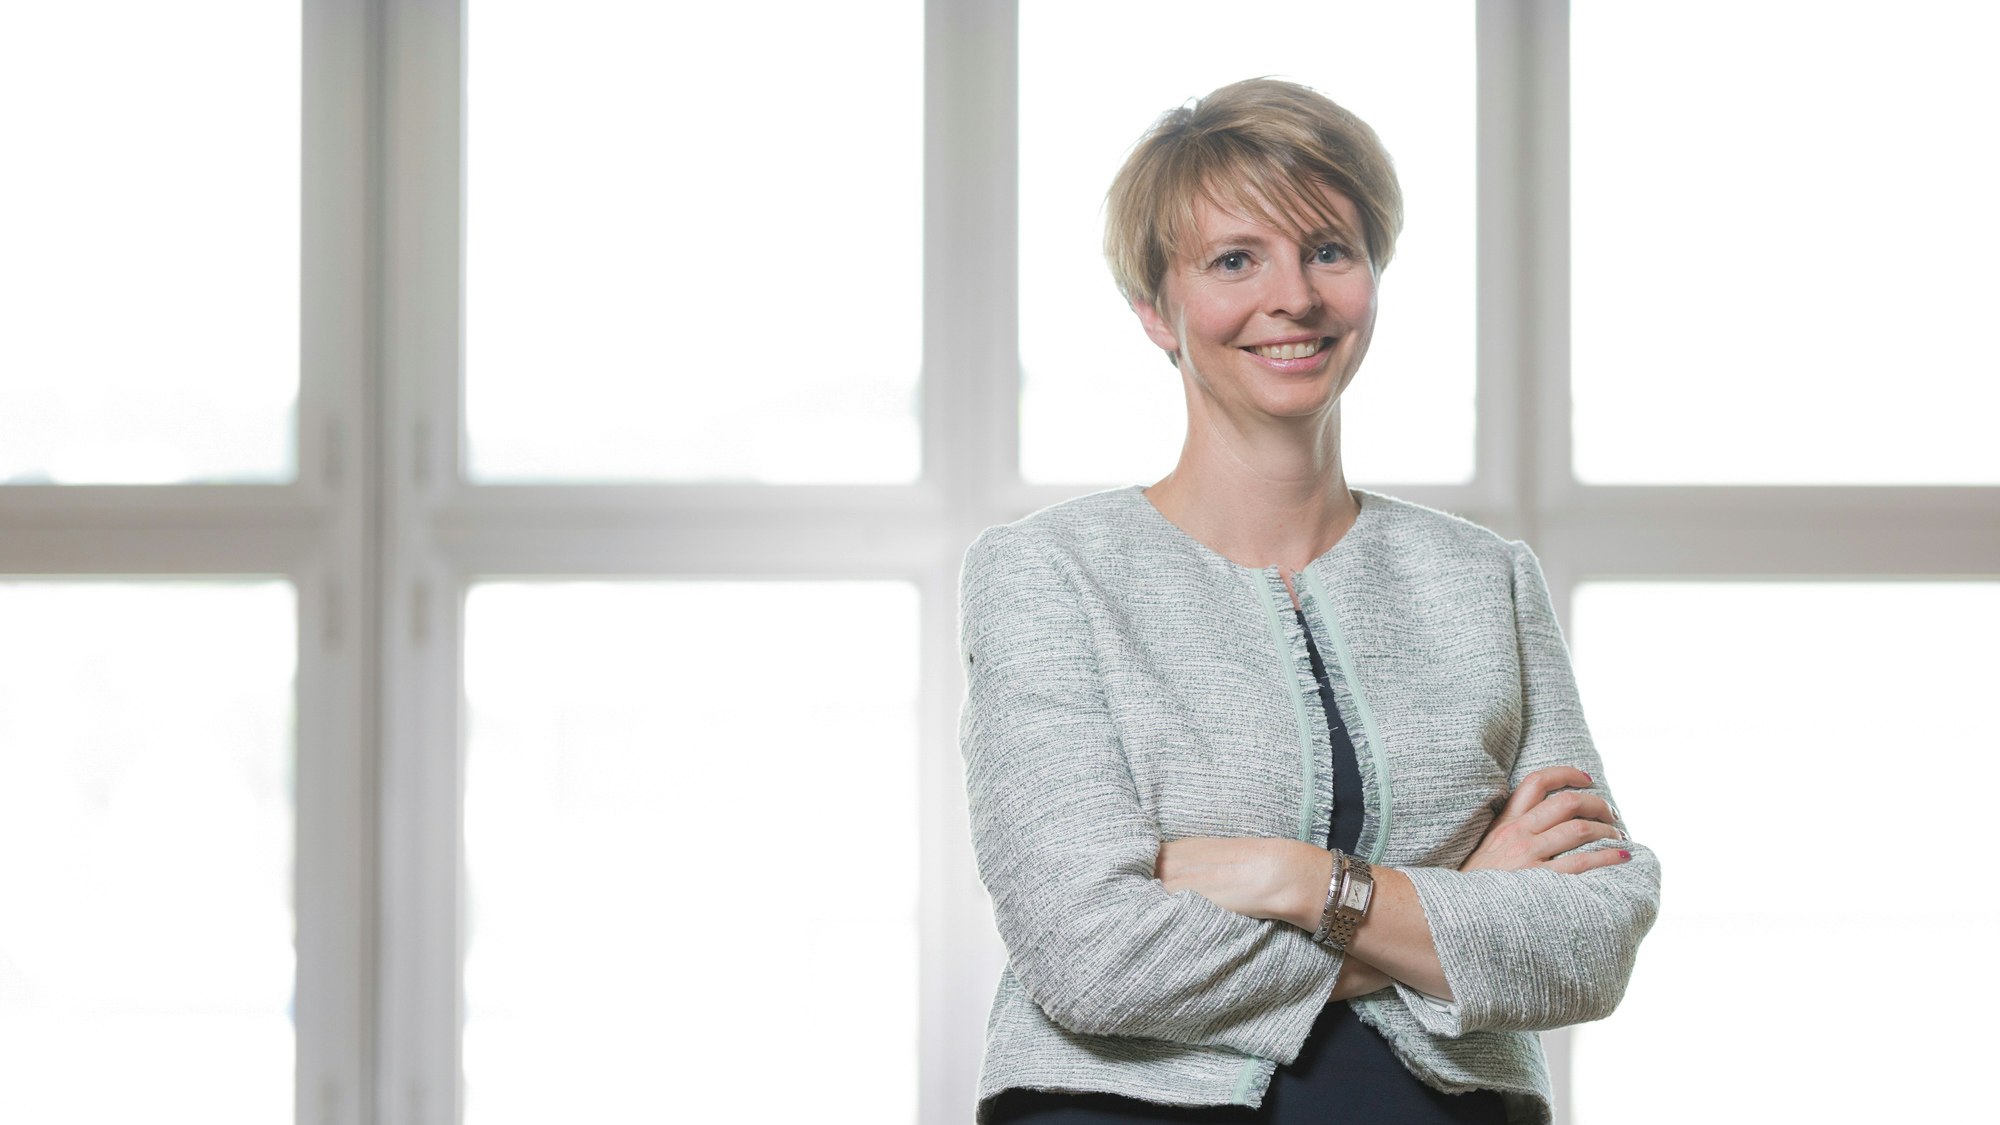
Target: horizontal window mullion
point(183, 548)
point(1710, 545)
point(163, 505)
point(775, 549)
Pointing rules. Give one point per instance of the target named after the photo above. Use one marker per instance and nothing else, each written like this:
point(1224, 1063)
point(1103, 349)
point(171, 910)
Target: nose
point(1290, 293)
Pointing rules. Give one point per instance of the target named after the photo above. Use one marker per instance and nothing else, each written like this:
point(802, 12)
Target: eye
point(1233, 262)
point(1330, 253)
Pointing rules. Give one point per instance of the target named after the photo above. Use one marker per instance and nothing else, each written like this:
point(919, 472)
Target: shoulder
point(1458, 563)
point(1100, 530)
point(1418, 535)
point(1037, 581)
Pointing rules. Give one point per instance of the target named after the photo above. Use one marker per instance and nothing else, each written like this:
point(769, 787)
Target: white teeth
point(1290, 351)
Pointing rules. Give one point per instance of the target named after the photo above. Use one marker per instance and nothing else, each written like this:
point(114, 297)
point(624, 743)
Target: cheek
point(1355, 304)
point(1215, 321)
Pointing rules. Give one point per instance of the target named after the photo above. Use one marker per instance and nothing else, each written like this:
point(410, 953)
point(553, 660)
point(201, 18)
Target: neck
point(1280, 500)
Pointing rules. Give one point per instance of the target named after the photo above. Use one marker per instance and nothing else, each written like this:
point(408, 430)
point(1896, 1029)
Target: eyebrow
point(1259, 242)
point(1217, 244)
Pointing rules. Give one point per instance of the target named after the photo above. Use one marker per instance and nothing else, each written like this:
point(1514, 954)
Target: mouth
point(1293, 349)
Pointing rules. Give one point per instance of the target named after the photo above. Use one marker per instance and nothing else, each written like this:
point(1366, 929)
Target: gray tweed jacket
point(1126, 684)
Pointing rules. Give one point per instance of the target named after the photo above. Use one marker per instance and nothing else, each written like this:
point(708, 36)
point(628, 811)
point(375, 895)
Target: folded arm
point(1536, 929)
point(1285, 880)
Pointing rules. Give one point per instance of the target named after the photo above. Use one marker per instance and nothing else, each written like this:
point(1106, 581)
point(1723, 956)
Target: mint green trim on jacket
point(1385, 803)
point(1308, 755)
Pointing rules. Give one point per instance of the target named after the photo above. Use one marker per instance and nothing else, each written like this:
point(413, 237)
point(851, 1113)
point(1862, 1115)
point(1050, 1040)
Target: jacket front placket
point(1322, 613)
point(1315, 741)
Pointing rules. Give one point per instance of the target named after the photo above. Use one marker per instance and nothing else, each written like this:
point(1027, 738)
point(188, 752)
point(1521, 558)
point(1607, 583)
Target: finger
point(1572, 834)
point(1570, 804)
point(1596, 808)
point(1579, 862)
point(1539, 784)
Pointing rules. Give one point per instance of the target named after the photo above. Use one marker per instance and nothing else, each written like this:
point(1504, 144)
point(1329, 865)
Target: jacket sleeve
point(1537, 949)
point(1067, 853)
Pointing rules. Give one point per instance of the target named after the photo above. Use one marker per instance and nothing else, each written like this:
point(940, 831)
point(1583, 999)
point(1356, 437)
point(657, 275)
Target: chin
point(1299, 406)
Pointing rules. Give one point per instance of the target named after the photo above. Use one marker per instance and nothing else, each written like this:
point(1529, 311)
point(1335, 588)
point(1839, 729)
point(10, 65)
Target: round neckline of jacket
point(1366, 501)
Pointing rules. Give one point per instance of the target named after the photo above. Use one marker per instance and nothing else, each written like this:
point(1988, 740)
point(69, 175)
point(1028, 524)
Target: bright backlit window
point(146, 827)
point(149, 242)
point(1784, 239)
point(1802, 757)
point(690, 827)
point(693, 241)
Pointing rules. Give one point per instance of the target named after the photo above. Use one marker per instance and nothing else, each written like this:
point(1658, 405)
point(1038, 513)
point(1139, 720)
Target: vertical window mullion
point(333, 876)
point(971, 351)
point(1543, 479)
point(1508, 276)
point(420, 126)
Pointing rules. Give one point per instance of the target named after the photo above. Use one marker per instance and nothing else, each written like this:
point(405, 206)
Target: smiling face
point(1265, 319)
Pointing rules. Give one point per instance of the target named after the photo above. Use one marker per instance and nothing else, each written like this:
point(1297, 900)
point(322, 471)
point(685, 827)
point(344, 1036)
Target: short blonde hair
point(1262, 146)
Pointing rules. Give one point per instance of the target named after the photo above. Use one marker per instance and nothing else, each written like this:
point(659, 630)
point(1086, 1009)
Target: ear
point(1157, 329)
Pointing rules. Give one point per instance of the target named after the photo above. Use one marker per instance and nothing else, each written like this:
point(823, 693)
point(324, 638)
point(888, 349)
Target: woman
point(1281, 789)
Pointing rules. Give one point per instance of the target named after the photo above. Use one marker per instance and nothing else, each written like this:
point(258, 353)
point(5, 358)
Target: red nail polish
point(1623, 854)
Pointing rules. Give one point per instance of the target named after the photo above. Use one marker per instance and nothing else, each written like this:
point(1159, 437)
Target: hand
point(1358, 978)
point(1252, 875)
point(1538, 825)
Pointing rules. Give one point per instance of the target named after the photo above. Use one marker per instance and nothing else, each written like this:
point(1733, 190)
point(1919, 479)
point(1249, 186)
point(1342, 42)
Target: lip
point(1301, 338)
point(1293, 366)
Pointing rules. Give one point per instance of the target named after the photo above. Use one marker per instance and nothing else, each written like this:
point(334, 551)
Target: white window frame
point(381, 534)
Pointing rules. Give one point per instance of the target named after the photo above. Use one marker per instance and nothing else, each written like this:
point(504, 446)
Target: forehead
point(1223, 211)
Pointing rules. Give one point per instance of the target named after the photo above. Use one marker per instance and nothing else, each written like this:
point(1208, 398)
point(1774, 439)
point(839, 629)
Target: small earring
point(1175, 359)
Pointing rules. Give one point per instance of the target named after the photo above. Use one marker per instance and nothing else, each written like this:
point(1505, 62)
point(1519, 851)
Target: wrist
point(1304, 888)
point(1358, 978)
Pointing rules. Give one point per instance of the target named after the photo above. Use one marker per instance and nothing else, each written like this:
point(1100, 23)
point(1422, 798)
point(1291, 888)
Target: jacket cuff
point(1280, 1031)
point(1439, 1017)
point(1477, 921)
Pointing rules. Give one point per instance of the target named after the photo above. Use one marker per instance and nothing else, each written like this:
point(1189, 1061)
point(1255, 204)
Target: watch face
point(1355, 896)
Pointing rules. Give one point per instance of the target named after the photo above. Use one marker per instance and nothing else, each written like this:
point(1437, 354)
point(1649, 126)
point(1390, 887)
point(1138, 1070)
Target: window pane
point(693, 241)
point(1810, 760)
point(1099, 403)
point(146, 964)
point(1820, 311)
point(691, 830)
point(149, 242)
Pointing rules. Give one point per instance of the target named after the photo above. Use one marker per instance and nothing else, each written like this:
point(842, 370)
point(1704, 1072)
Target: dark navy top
point(1345, 1072)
